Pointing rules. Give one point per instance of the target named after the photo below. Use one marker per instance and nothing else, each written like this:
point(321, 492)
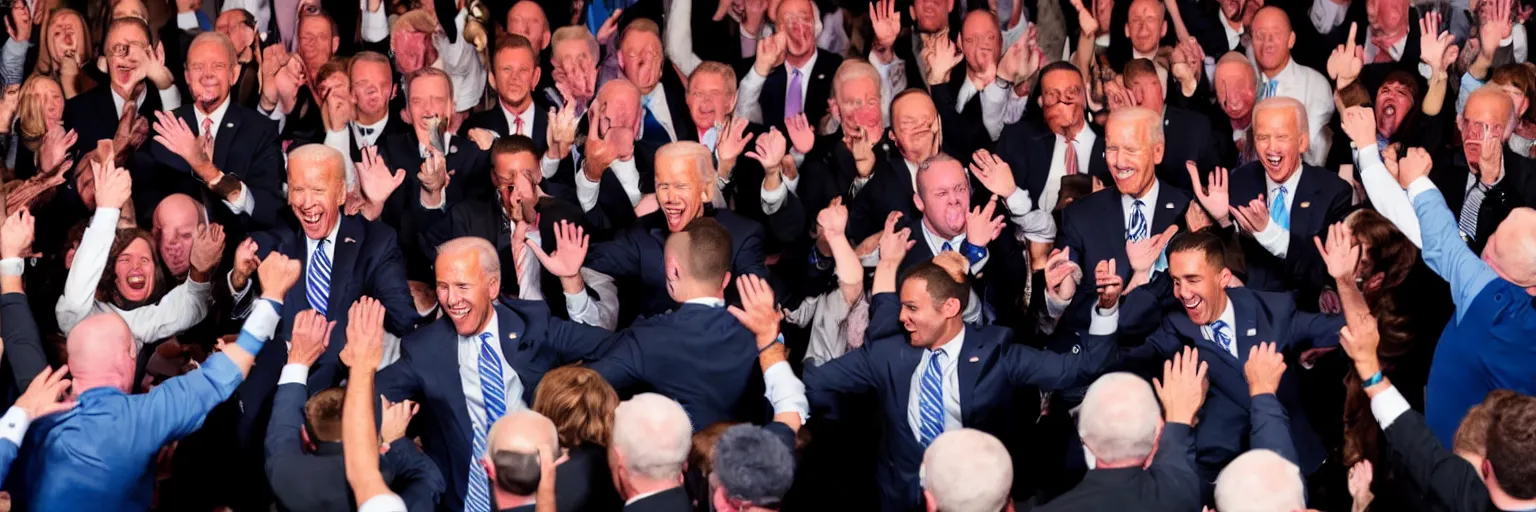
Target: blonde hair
point(418, 20)
point(580, 403)
point(31, 115)
point(45, 63)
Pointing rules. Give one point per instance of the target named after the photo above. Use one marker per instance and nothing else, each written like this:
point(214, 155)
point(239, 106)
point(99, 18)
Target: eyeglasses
point(1070, 96)
point(217, 67)
point(123, 49)
point(1473, 130)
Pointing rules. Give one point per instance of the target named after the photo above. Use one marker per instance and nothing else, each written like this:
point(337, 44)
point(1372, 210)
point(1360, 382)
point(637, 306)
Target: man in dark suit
point(708, 360)
point(651, 442)
point(1040, 153)
point(1506, 479)
point(24, 355)
point(1282, 202)
point(637, 256)
point(842, 164)
point(514, 74)
point(520, 447)
point(1192, 140)
point(134, 77)
point(892, 187)
point(1226, 324)
point(505, 347)
point(938, 373)
point(978, 100)
point(371, 121)
point(664, 108)
point(789, 75)
point(238, 176)
point(1485, 180)
point(303, 443)
point(611, 170)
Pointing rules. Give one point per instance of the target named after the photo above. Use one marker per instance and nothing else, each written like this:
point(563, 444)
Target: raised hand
point(1086, 23)
point(1195, 217)
point(561, 132)
point(863, 148)
point(1215, 196)
point(1118, 96)
point(19, 24)
point(570, 251)
point(311, 334)
point(173, 133)
point(1189, 60)
point(246, 262)
point(1360, 125)
point(609, 28)
point(981, 226)
point(433, 176)
point(207, 247)
point(373, 176)
point(770, 53)
point(887, 24)
point(1021, 60)
point(1437, 49)
point(1360, 476)
point(1143, 254)
point(1061, 275)
point(770, 150)
point(1346, 61)
point(47, 394)
point(758, 312)
point(338, 110)
point(124, 136)
point(54, 152)
point(1264, 368)
point(733, 139)
point(942, 56)
point(277, 274)
point(113, 186)
point(1109, 284)
point(833, 220)
point(802, 136)
point(154, 67)
point(1359, 340)
point(16, 235)
point(894, 242)
point(1414, 165)
point(1182, 389)
point(1254, 217)
point(1340, 253)
point(994, 173)
point(365, 334)
point(394, 419)
point(1497, 26)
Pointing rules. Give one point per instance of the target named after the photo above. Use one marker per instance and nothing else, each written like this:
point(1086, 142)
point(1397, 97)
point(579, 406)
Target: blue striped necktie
point(1222, 334)
point(1139, 229)
point(317, 282)
point(1279, 213)
point(493, 391)
point(930, 404)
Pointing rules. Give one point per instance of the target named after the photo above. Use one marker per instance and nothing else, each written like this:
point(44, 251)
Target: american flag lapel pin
point(975, 359)
point(229, 125)
point(1168, 206)
point(1305, 204)
point(512, 336)
point(1252, 332)
point(348, 240)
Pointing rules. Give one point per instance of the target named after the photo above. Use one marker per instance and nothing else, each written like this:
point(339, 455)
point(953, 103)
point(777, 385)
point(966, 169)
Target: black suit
point(1321, 198)
point(670, 500)
point(93, 115)
point(889, 189)
point(583, 482)
point(24, 357)
point(813, 104)
point(613, 211)
point(1093, 230)
point(1028, 146)
point(495, 120)
point(676, 94)
point(246, 146)
point(484, 218)
point(470, 168)
point(1169, 483)
point(1447, 481)
point(1515, 189)
point(1188, 137)
point(636, 258)
point(829, 172)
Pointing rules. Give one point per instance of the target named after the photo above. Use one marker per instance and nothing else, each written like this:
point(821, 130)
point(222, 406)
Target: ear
point(918, 200)
point(1530, 290)
point(1226, 278)
point(335, 43)
point(490, 78)
point(538, 73)
point(831, 107)
point(724, 283)
point(929, 503)
point(952, 307)
point(1291, 42)
point(490, 469)
point(1306, 142)
point(1157, 151)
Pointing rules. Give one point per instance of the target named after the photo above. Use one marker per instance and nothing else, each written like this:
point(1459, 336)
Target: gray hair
point(489, 262)
point(1260, 481)
point(319, 154)
point(703, 159)
point(1151, 120)
point(653, 434)
point(850, 70)
point(1119, 418)
point(967, 470)
point(1278, 102)
point(221, 39)
point(577, 33)
point(753, 464)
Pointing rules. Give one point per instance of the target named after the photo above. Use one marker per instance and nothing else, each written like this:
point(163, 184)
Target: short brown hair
point(367, 56)
point(513, 144)
point(1521, 77)
point(719, 68)
point(508, 42)
point(1472, 434)
point(1137, 68)
point(940, 284)
point(709, 249)
point(640, 25)
point(332, 67)
point(1512, 446)
point(429, 71)
point(702, 456)
point(1204, 242)
point(323, 414)
point(579, 402)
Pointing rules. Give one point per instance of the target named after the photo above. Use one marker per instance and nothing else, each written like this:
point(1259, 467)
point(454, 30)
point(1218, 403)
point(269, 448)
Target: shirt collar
point(714, 302)
point(936, 241)
point(119, 100)
point(1149, 199)
point(805, 71)
point(331, 238)
point(490, 327)
point(1290, 183)
point(1136, 54)
point(1290, 64)
point(1083, 135)
point(1229, 316)
point(952, 349)
point(217, 114)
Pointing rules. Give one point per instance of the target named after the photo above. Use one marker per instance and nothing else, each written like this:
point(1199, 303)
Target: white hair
point(1259, 481)
point(703, 159)
point(1148, 118)
point(850, 70)
point(1278, 102)
point(967, 470)
point(653, 434)
point(1119, 419)
point(319, 154)
point(517, 429)
point(489, 261)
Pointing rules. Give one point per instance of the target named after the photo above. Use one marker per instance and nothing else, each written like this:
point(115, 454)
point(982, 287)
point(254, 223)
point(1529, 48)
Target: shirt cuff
point(1387, 406)
point(170, 98)
point(383, 503)
point(1055, 307)
point(548, 166)
point(294, 373)
point(1419, 186)
point(799, 160)
point(774, 199)
point(13, 267)
point(1105, 321)
point(576, 304)
point(1019, 203)
point(187, 21)
point(1274, 238)
point(262, 322)
point(785, 392)
point(242, 203)
point(13, 426)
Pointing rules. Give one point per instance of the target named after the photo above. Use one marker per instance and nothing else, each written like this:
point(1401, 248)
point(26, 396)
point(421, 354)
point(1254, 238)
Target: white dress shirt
point(749, 95)
point(658, 107)
point(330, 246)
point(368, 134)
point(1228, 316)
point(243, 203)
point(469, 377)
point(1000, 105)
point(1273, 238)
point(972, 313)
point(531, 267)
point(526, 116)
point(1387, 196)
point(1327, 15)
point(462, 63)
point(170, 98)
point(949, 383)
point(628, 175)
point(1234, 35)
point(1083, 143)
point(1034, 225)
point(1148, 207)
point(1314, 92)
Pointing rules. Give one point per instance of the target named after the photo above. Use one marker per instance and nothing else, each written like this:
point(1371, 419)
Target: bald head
point(101, 353)
point(1260, 481)
point(1511, 251)
point(176, 220)
point(1119, 420)
point(517, 444)
point(1272, 40)
point(967, 470)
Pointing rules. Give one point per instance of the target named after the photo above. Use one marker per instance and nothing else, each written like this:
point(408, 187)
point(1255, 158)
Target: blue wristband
point(776, 341)
point(973, 253)
point(1373, 380)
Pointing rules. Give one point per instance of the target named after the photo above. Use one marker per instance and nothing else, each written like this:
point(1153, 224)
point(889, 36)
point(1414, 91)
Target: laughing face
point(1130, 154)
point(465, 290)
point(1279, 142)
point(923, 317)
point(1393, 102)
point(210, 71)
point(135, 271)
point(679, 190)
point(710, 99)
point(1199, 286)
point(315, 192)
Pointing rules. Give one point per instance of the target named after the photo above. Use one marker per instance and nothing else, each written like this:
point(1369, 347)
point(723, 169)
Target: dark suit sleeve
point(1312, 330)
point(1146, 359)
point(577, 341)
point(884, 317)
point(853, 373)
point(749, 260)
point(388, 285)
point(283, 431)
point(399, 381)
point(1271, 429)
point(1174, 468)
point(624, 365)
point(265, 178)
point(417, 480)
point(8, 451)
point(23, 344)
point(1302, 262)
point(619, 257)
point(1048, 370)
point(1446, 479)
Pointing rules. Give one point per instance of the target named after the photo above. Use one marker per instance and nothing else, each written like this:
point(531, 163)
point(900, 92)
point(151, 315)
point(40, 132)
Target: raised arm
point(759, 314)
point(1376, 176)
point(1444, 251)
point(23, 345)
point(359, 438)
point(46, 394)
point(1270, 428)
point(113, 188)
point(1182, 392)
point(833, 220)
point(311, 333)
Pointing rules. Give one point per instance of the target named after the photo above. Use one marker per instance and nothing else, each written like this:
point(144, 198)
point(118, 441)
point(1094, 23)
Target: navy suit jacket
point(991, 368)
point(93, 115)
point(816, 92)
point(495, 120)
point(403, 210)
point(366, 261)
point(700, 356)
point(247, 146)
point(317, 480)
point(1222, 432)
point(1028, 146)
point(1321, 198)
point(1190, 138)
point(428, 372)
point(1092, 230)
point(637, 256)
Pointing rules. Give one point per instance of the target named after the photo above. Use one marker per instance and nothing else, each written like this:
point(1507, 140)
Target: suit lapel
point(227, 135)
point(1167, 211)
point(348, 239)
point(1246, 314)
point(512, 330)
point(1042, 146)
point(816, 92)
point(970, 370)
point(907, 359)
point(1302, 211)
point(540, 124)
point(445, 365)
point(772, 97)
point(297, 249)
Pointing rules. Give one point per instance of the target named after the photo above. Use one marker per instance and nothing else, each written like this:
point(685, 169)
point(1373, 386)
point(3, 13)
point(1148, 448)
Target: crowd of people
point(759, 255)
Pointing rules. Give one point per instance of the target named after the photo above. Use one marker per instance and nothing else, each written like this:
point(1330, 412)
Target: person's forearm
point(885, 276)
point(1178, 20)
point(846, 261)
point(1479, 67)
point(1386, 194)
point(89, 264)
point(1434, 98)
point(359, 439)
point(1353, 303)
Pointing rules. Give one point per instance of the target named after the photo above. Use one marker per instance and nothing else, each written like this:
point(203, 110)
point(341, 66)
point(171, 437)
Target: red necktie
point(517, 126)
point(1382, 54)
point(1071, 157)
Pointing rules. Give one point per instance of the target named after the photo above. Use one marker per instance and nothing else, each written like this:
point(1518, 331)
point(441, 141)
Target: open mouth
point(1124, 173)
point(1389, 110)
point(458, 311)
point(136, 280)
point(1193, 302)
point(1273, 160)
point(674, 214)
point(310, 219)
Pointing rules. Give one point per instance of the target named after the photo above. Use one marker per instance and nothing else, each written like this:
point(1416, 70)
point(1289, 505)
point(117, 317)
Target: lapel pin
point(229, 125)
point(820, 76)
point(1252, 332)
point(511, 335)
point(1076, 349)
point(1168, 206)
point(1305, 204)
point(975, 359)
point(348, 240)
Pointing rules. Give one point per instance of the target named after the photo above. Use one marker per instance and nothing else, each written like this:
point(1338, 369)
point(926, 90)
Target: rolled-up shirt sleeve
point(748, 95)
point(1386, 195)
point(785, 391)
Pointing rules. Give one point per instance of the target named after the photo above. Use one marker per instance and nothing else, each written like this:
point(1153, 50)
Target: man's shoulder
point(439, 330)
point(1086, 204)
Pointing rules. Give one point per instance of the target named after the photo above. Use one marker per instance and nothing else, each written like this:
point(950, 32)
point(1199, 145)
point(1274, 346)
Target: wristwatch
point(226, 184)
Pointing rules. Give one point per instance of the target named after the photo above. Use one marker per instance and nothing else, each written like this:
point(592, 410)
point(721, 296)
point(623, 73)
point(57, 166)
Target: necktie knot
point(947, 247)
point(207, 125)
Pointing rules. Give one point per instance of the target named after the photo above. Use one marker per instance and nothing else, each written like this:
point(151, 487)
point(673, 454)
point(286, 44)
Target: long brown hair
point(579, 402)
point(106, 287)
point(1386, 259)
point(45, 63)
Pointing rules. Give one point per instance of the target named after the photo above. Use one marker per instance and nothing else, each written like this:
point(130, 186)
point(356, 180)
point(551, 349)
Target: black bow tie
point(365, 130)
